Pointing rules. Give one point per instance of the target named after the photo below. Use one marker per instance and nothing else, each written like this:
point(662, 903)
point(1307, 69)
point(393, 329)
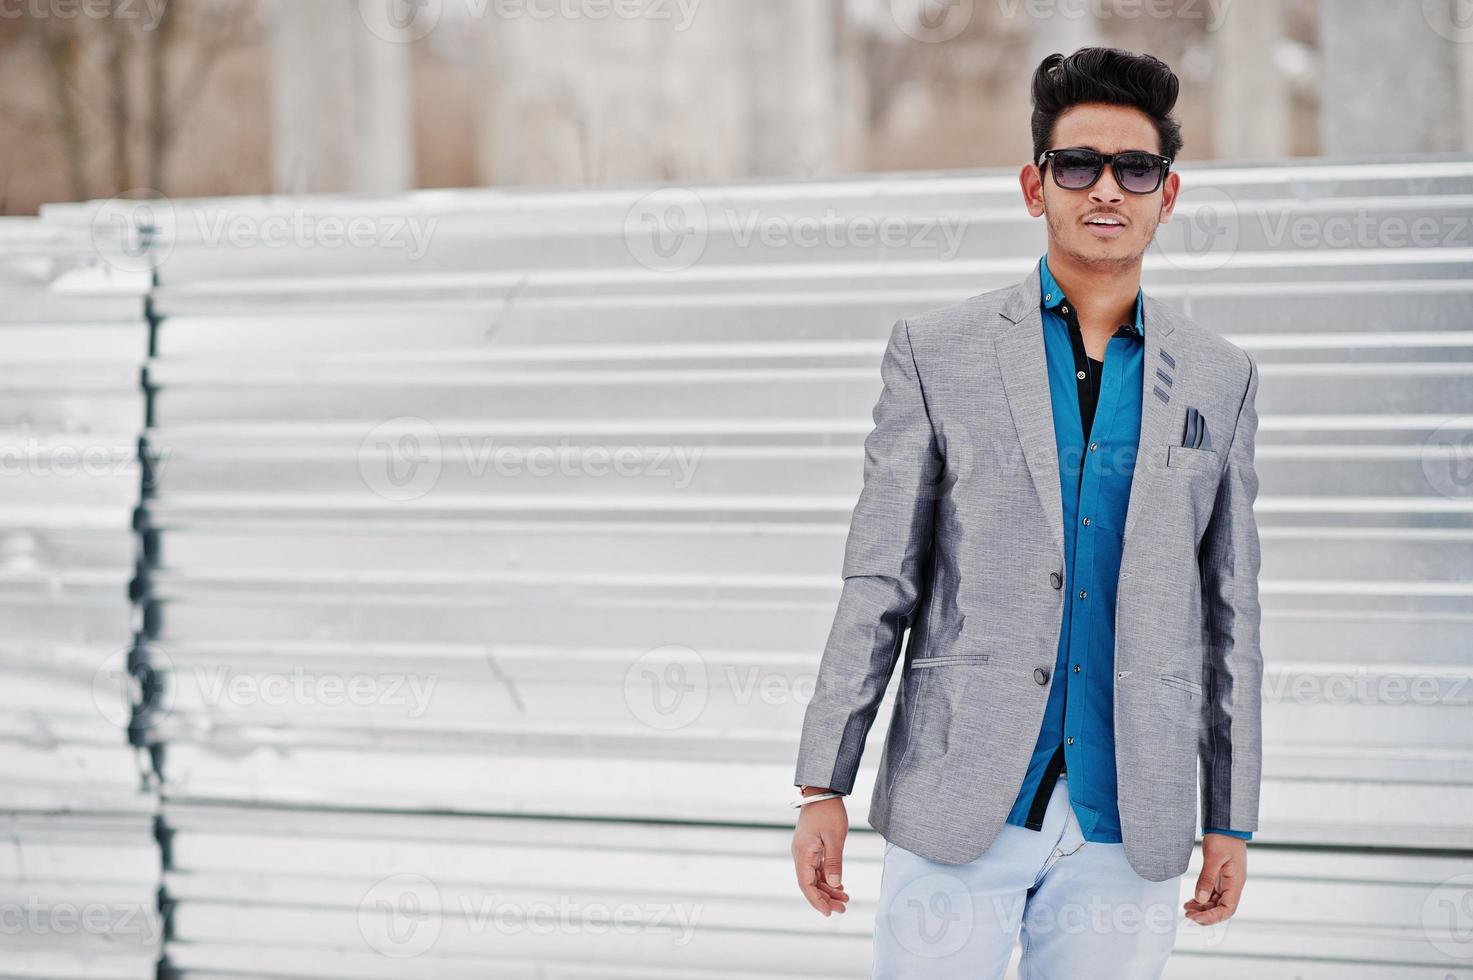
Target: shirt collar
point(1053, 296)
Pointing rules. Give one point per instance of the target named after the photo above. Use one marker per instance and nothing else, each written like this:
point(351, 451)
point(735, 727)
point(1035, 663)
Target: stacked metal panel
point(80, 867)
point(500, 533)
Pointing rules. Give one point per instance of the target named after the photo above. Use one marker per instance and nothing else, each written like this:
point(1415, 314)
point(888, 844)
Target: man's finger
point(806, 861)
point(1222, 903)
point(1231, 887)
point(833, 859)
point(1206, 884)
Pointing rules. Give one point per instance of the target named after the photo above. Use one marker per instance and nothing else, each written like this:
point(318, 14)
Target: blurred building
point(206, 97)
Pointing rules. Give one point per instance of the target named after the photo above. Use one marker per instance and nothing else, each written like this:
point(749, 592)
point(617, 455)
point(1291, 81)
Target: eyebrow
point(1133, 149)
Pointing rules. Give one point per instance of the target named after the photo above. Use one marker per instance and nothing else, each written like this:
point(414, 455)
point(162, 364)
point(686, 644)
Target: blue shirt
point(1077, 737)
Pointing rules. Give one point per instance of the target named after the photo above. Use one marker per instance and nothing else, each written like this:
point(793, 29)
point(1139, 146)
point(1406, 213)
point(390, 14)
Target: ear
point(1030, 179)
point(1169, 190)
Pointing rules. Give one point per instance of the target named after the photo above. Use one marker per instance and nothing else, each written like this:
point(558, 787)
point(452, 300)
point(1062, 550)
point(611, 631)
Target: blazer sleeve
point(885, 558)
point(1231, 742)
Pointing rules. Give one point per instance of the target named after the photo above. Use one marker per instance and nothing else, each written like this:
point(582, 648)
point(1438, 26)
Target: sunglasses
point(1078, 167)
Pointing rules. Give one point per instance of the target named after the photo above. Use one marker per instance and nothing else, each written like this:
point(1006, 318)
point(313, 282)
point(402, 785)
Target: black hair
point(1109, 75)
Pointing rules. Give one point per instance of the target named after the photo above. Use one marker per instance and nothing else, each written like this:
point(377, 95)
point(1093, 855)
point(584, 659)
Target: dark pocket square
point(1194, 436)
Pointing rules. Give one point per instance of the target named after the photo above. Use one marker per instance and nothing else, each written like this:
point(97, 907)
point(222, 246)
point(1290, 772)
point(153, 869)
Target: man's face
point(1107, 129)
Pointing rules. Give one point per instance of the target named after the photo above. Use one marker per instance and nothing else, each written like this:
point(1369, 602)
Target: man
point(1058, 504)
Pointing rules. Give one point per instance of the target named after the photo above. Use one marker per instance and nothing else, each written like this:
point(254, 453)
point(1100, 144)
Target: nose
point(1106, 190)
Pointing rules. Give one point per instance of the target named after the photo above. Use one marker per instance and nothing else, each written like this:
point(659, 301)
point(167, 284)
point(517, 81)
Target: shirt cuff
point(1240, 834)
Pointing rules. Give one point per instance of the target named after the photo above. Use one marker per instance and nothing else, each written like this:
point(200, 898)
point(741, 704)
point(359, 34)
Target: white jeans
point(1081, 911)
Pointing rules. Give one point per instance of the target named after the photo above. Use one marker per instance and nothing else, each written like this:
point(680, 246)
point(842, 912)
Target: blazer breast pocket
point(1185, 458)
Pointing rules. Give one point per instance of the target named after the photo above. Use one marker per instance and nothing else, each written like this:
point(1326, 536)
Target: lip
point(1105, 231)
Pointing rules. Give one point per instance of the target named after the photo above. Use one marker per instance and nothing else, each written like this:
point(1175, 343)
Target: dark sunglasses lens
point(1139, 172)
point(1074, 169)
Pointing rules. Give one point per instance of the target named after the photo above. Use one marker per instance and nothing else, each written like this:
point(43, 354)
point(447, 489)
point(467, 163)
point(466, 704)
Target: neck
point(1104, 296)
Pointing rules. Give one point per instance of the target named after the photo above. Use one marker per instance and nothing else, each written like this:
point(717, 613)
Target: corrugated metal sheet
point(497, 551)
point(80, 866)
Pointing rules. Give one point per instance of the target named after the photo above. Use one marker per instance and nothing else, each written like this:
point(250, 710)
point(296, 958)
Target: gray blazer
point(958, 535)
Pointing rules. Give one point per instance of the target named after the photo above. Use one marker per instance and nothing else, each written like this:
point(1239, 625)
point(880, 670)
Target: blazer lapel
point(1024, 367)
point(1157, 412)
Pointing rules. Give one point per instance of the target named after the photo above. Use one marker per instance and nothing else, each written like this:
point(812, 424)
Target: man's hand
point(818, 851)
point(1220, 885)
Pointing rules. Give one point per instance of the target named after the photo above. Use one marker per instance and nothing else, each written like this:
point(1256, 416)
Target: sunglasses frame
point(1106, 158)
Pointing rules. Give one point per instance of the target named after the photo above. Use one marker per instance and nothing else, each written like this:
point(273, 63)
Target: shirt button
point(1071, 740)
point(1086, 521)
point(1079, 375)
point(1064, 308)
point(1083, 594)
point(1056, 580)
point(1040, 675)
point(1093, 446)
point(1076, 668)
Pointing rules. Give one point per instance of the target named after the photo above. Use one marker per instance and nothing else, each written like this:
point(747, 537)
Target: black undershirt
point(1089, 396)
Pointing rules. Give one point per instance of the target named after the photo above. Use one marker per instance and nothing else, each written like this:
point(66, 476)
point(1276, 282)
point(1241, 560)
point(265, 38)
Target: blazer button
point(1056, 580)
point(1040, 675)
